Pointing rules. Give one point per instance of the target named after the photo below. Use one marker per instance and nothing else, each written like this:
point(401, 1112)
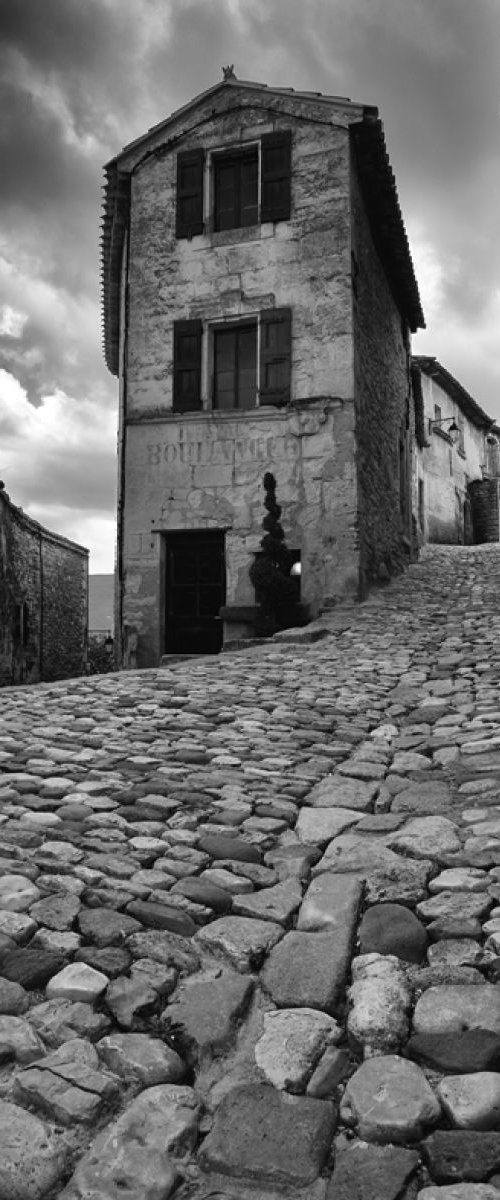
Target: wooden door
point(195, 591)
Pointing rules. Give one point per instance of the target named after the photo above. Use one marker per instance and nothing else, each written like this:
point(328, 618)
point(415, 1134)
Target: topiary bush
point(275, 590)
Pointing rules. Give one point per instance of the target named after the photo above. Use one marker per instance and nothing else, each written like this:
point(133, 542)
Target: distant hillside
point(101, 600)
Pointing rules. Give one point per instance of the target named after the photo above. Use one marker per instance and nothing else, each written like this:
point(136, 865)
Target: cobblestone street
point(250, 913)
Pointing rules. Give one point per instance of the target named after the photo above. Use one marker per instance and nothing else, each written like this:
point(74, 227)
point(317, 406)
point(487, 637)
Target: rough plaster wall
point(381, 370)
point(303, 263)
point(64, 617)
point(206, 472)
point(444, 470)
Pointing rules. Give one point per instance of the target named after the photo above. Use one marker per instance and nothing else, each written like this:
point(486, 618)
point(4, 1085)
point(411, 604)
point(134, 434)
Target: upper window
point(236, 190)
point(235, 366)
point(249, 184)
point(251, 362)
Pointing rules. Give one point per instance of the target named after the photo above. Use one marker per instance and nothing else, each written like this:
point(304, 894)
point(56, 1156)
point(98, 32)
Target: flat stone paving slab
point(205, 1010)
point(454, 1155)
point(367, 1172)
point(261, 1134)
point(454, 1007)
point(390, 1100)
point(308, 969)
point(242, 940)
point(140, 1148)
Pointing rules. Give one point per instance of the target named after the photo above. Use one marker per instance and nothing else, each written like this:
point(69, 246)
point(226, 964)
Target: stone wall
point(384, 414)
point(43, 601)
point(206, 472)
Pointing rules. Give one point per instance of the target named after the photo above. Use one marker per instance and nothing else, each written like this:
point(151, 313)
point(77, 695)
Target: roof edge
point(39, 529)
point(378, 185)
point(455, 390)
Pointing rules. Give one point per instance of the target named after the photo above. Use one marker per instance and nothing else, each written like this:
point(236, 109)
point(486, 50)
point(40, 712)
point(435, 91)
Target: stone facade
point(338, 267)
point(43, 601)
point(452, 472)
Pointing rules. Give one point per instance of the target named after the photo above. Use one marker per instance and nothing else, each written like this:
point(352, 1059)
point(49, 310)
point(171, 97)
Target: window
point(251, 362)
point(187, 366)
point(235, 367)
point(461, 431)
point(421, 504)
point(250, 184)
point(437, 412)
point(236, 190)
point(21, 624)
point(189, 209)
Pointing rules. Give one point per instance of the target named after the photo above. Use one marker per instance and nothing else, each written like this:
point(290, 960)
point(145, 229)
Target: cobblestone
point(187, 856)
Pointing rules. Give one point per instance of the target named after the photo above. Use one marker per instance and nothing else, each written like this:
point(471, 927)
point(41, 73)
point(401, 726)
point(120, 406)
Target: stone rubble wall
point(383, 408)
point(48, 575)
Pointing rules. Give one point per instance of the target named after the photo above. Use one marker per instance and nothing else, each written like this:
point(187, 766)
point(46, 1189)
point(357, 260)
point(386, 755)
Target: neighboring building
point(101, 605)
point(258, 300)
point(43, 601)
point(456, 463)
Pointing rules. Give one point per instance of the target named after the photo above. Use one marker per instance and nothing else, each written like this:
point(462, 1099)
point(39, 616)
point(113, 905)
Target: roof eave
point(455, 390)
point(384, 214)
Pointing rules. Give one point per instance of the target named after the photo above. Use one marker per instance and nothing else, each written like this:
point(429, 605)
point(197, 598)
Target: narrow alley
point(250, 913)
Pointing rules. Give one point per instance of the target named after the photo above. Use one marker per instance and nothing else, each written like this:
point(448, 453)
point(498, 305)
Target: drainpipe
point(40, 639)
point(121, 455)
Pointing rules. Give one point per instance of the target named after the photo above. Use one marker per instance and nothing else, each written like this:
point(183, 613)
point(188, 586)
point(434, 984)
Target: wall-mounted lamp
point(453, 432)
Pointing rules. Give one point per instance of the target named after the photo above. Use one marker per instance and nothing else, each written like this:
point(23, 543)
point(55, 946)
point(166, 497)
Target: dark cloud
point(81, 78)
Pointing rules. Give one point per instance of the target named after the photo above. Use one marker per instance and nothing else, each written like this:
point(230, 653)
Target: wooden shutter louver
point(275, 356)
point(276, 176)
point(189, 200)
point(187, 366)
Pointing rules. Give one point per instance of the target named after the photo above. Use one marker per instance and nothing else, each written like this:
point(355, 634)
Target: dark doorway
point(195, 591)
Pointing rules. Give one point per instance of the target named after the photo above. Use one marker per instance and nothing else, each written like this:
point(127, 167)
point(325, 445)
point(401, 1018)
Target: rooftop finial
point(228, 72)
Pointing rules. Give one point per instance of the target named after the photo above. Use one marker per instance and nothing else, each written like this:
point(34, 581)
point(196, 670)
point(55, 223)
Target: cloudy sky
point(80, 78)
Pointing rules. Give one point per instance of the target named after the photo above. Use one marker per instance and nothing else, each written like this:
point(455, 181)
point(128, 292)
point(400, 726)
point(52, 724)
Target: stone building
point(456, 461)
point(43, 600)
point(258, 296)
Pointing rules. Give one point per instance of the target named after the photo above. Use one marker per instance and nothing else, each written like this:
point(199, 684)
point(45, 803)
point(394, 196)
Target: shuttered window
point(276, 176)
point(236, 190)
point(237, 203)
point(189, 211)
point(275, 356)
point(187, 366)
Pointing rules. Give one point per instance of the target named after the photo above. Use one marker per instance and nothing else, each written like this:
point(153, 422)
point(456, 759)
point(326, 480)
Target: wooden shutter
point(275, 356)
point(189, 209)
point(187, 366)
point(276, 176)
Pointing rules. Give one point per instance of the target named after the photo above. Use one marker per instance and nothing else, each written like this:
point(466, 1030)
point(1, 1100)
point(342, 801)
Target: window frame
point(204, 366)
point(231, 156)
point(203, 192)
point(237, 324)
